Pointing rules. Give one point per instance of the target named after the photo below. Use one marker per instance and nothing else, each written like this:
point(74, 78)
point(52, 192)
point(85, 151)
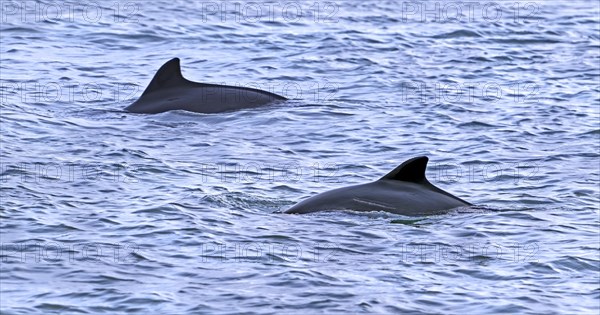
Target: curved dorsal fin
point(412, 170)
point(169, 75)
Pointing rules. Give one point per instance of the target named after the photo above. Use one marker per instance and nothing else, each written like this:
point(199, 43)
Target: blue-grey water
point(104, 211)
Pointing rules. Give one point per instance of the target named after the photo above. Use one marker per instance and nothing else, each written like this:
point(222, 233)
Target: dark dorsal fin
point(412, 170)
point(169, 75)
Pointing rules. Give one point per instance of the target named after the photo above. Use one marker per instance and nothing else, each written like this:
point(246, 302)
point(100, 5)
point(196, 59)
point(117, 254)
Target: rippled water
point(109, 212)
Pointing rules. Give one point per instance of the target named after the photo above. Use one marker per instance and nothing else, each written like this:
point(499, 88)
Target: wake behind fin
point(412, 170)
point(169, 75)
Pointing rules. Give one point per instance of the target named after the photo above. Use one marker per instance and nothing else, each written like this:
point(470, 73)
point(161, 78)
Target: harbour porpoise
point(405, 191)
point(169, 90)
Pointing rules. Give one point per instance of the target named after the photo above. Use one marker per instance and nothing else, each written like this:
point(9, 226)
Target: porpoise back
point(169, 90)
point(405, 190)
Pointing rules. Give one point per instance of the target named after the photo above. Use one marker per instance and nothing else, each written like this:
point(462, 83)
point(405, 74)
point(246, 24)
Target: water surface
point(109, 212)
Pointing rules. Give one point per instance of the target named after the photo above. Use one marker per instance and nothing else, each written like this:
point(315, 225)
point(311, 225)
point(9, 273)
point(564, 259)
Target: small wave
point(457, 34)
point(19, 30)
point(526, 41)
point(476, 124)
